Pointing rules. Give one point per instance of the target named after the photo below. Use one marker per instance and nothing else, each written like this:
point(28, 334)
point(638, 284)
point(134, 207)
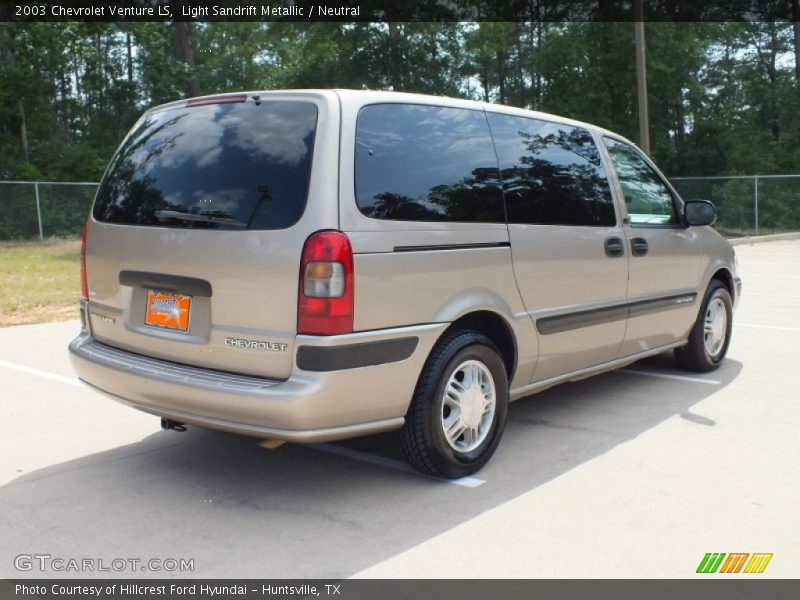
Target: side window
point(648, 200)
point(552, 173)
point(426, 163)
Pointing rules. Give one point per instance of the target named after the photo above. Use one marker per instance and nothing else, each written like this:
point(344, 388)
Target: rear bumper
point(318, 404)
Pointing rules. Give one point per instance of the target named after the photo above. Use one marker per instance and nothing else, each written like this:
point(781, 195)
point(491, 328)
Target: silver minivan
point(318, 265)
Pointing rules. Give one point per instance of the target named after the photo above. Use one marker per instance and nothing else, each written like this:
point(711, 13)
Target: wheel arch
point(724, 275)
point(497, 329)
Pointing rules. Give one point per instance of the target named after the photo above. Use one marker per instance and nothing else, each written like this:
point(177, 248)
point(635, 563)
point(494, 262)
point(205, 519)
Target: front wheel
point(711, 334)
point(459, 408)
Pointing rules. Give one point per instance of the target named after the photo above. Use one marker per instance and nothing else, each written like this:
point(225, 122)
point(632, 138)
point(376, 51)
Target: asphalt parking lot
point(636, 473)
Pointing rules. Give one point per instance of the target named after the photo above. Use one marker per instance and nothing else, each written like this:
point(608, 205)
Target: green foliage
point(723, 97)
point(778, 210)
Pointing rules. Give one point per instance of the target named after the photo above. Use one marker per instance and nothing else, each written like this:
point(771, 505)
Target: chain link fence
point(746, 204)
point(31, 209)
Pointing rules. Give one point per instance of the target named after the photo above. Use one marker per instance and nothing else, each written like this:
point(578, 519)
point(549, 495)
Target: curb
point(757, 239)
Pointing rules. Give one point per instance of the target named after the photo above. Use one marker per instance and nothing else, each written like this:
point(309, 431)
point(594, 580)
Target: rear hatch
point(193, 250)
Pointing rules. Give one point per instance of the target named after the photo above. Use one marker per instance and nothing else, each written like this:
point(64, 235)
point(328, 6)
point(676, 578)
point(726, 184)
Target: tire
point(460, 356)
point(697, 355)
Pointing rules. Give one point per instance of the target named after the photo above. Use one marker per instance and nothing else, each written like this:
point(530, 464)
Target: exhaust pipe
point(170, 424)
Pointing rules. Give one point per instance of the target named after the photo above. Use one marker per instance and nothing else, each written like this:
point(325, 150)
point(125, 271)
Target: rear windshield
point(222, 166)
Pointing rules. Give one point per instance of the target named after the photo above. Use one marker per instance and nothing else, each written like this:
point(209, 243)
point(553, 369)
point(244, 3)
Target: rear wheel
point(459, 408)
point(711, 334)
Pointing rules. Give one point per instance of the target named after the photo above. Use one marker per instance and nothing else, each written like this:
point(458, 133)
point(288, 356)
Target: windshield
point(223, 166)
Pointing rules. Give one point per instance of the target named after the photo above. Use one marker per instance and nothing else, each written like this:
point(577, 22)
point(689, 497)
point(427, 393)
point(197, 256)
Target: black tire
point(694, 356)
point(422, 438)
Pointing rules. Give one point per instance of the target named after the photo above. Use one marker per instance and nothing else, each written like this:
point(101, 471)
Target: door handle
point(639, 246)
point(614, 247)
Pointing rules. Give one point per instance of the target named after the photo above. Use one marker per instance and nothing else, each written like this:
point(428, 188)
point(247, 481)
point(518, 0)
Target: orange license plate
point(169, 311)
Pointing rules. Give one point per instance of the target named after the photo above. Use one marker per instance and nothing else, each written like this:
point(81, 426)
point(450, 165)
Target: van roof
point(378, 96)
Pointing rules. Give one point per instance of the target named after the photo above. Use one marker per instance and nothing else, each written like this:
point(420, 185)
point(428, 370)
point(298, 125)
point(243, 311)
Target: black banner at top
point(395, 10)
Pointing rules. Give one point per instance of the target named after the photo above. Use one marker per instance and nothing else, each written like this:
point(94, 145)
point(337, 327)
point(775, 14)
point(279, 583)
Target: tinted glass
point(226, 166)
point(648, 200)
point(426, 163)
point(552, 173)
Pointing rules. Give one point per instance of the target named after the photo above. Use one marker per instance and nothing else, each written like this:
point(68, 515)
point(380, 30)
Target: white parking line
point(773, 264)
point(470, 482)
point(670, 376)
point(771, 277)
point(775, 327)
point(774, 253)
point(771, 295)
point(43, 374)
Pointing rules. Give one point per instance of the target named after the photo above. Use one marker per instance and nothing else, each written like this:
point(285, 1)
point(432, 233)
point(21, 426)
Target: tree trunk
point(796, 19)
point(129, 47)
point(100, 84)
point(773, 84)
point(395, 57)
point(680, 123)
point(11, 63)
point(501, 76)
point(538, 96)
point(186, 54)
point(533, 52)
point(767, 57)
point(23, 131)
point(522, 100)
point(63, 102)
point(78, 81)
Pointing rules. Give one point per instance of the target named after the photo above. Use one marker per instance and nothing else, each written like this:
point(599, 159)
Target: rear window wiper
point(163, 215)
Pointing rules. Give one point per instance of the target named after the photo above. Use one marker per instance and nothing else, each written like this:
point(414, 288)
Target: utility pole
point(641, 76)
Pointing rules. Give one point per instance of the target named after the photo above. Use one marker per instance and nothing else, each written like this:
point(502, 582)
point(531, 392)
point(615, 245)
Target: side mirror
point(699, 212)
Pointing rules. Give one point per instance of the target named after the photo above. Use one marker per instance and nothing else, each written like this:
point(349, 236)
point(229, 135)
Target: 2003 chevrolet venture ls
point(317, 265)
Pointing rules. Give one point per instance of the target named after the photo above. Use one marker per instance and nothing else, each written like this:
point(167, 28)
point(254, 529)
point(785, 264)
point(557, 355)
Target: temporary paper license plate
point(170, 311)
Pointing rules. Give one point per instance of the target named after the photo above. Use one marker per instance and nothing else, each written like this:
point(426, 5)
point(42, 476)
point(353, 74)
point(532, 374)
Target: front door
point(665, 264)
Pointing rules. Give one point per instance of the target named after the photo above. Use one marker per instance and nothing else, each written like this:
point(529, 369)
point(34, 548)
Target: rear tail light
point(325, 300)
point(84, 278)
